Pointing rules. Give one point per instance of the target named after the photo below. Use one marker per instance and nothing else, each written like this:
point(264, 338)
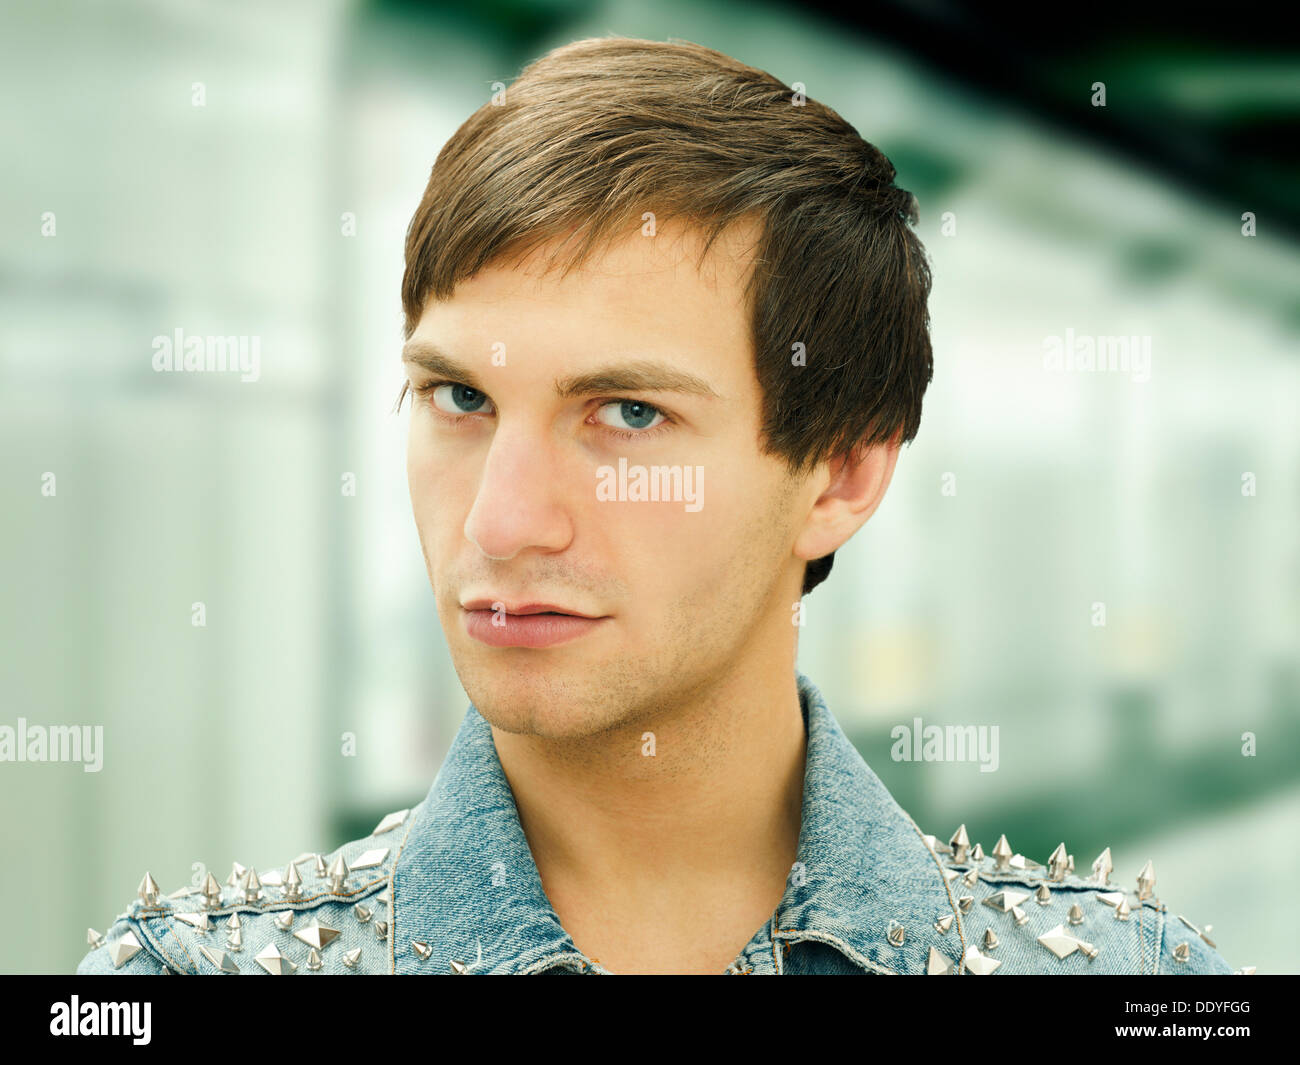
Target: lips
point(524, 609)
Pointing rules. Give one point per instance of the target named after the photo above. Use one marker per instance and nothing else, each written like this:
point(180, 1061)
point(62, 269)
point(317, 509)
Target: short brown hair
point(593, 134)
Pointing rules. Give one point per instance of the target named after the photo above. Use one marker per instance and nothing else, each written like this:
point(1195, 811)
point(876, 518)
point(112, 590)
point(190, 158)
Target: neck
point(716, 808)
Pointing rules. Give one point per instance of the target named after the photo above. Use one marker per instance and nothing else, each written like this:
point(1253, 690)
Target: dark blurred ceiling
point(1207, 98)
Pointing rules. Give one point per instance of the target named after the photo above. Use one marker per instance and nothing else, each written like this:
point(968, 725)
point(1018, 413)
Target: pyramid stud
point(284, 921)
point(977, 962)
point(949, 875)
point(381, 929)
point(350, 957)
point(275, 963)
point(292, 882)
point(1122, 910)
point(1182, 952)
point(1076, 914)
point(220, 959)
point(390, 822)
point(965, 903)
point(338, 873)
point(1058, 864)
point(937, 965)
point(1060, 942)
point(977, 854)
point(316, 934)
point(363, 912)
point(236, 875)
point(1019, 915)
point(313, 960)
point(1147, 881)
point(960, 844)
point(1102, 867)
point(1043, 895)
point(211, 893)
point(382, 897)
point(895, 933)
point(198, 921)
point(234, 933)
point(370, 858)
point(251, 886)
point(422, 950)
point(1002, 854)
point(933, 843)
point(123, 950)
point(991, 940)
point(94, 939)
point(943, 924)
point(460, 968)
point(1110, 898)
point(1005, 900)
point(971, 878)
point(1087, 949)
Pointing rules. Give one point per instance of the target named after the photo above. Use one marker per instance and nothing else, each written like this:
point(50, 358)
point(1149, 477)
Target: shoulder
point(319, 912)
point(1010, 914)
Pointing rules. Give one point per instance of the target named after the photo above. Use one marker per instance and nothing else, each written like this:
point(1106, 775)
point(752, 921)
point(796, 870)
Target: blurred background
point(249, 169)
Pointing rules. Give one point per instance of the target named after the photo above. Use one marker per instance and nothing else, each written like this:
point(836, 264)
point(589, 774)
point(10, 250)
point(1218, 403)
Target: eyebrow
point(640, 375)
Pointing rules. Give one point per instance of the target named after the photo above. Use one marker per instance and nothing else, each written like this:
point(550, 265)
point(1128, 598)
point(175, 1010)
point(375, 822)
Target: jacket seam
point(947, 887)
point(794, 936)
point(392, 893)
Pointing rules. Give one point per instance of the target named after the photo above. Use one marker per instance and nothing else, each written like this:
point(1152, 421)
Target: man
point(666, 332)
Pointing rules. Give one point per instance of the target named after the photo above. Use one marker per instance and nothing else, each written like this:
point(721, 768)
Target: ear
point(856, 483)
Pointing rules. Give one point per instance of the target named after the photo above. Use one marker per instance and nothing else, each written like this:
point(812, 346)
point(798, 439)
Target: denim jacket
point(450, 886)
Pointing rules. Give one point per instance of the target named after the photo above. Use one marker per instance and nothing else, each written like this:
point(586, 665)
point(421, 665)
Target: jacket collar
point(465, 883)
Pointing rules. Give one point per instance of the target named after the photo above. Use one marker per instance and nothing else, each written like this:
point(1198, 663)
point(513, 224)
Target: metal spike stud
point(390, 822)
point(965, 903)
point(1043, 895)
point(350, 957)
point(960, 844)
point(381, 929)
point(977, 854)
point(1182, 952)
point(94, 939)
point(211, 893)
point(313, 960)
point(284, 921)
point(1147, 881)
point(1102, 867)
point(422, 950)
point(220, 959)
point(236, 875)
point(1058, 864)
point(252, 886)
point(292, 882)
point(318, 867)
point(937, 965)
point(460, 968)
point(363, 912)
point(1076, 914)
point(1062, 944)
point(338, 873)
point(1122, 910)
point(275, 963)
point(943, 924)
point(1020, 916)
point(991, 940)
point(895, 933)
point(148, 890)
point(1006, 899)
point(123, 950)
point(316, 934)
point(971, 877)
point(1002, 854)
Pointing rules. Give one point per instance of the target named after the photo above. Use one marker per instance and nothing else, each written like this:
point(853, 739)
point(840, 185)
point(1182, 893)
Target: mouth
point(534, 625)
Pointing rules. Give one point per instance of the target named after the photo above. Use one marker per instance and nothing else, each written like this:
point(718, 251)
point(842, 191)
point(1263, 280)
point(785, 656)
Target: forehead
point(640, 293)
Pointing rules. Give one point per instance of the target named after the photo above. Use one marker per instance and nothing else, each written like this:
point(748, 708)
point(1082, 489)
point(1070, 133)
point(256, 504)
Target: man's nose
point(519, 500)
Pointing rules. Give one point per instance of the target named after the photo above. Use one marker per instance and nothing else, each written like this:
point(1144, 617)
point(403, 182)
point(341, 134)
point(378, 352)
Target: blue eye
point(467, 400)
point(637, 415)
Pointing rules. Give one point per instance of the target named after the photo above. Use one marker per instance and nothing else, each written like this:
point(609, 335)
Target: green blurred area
point(225, 741)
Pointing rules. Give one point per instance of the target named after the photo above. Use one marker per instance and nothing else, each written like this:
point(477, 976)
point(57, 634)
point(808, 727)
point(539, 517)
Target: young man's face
point(512, 505)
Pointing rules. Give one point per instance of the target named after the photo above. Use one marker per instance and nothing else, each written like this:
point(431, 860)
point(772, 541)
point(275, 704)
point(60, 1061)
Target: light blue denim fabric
point(457, 878)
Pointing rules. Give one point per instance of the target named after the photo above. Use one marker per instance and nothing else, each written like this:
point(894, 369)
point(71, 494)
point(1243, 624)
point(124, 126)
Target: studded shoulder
point(321, 913)
point(1014, 915)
